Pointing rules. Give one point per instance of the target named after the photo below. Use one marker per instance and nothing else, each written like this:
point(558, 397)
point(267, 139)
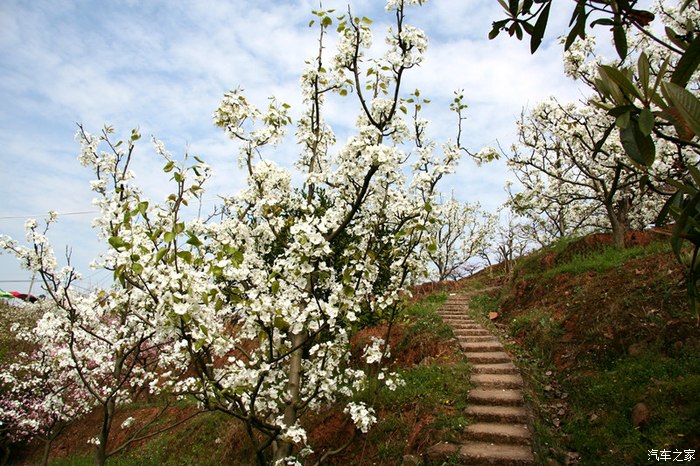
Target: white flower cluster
point(361, 415)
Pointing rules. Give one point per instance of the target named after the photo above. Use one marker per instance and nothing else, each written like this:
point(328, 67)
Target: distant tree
point(509, 238)
point(460, 232)
point(575, 175)
point(38, 399)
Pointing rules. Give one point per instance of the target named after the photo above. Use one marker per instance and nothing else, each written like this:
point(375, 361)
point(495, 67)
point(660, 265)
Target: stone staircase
point(499, 433)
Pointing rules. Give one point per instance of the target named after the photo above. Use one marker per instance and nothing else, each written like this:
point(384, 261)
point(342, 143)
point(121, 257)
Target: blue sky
point(163, 66)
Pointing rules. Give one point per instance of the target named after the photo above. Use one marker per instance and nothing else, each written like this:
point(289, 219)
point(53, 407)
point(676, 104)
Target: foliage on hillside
point(610, 347)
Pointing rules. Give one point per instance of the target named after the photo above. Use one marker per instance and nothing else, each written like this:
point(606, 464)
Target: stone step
point(480, 346)
point(463, 325)
point(461, 320)
point(457, 318)
point(476, 338)
point(481, 357)
point(497, 380)
point(497, 432)
point(498, 368)
point(494, 413)
point(496, 396)
point(484, 453)
point(472, 331)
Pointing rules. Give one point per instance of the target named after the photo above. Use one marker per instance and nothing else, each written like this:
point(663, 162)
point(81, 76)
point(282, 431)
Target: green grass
point(423, 319)
point(600, 426)
point(434, 391)
point(195, 443)
point(604, 259)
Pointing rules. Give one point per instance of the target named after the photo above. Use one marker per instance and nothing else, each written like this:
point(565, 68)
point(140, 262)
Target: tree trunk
point(283, 448)
point(47, 450)
point(618, 234)
point(618, 215)
point(103, 437)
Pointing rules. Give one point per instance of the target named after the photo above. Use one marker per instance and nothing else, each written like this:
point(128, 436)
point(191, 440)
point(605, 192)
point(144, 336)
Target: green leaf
point(161, 253)
point(169, 166)
point(638, 147)
point(185, 255)
point(348, 291)
point(326, 21)
point(169, 236)
point(143, 207)
point(496, 28)
point(275, 286)
point(673, 201)
point(643, 71)
point(540, 27)
point(603, 22)
point(686, 103)
point(513, 7)
point(620, 39)
point(646, 121)
point(237, 257)
point(623, 120)
point(137, 268)
point(688, 64)
point(619, 78)
point(116, 242)
point(194, 241)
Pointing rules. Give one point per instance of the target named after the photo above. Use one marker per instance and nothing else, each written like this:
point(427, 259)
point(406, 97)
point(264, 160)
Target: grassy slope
point(599, 330)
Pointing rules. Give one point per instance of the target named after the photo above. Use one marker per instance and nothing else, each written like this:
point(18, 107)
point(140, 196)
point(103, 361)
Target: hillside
point(608, 344)
point(603, 336)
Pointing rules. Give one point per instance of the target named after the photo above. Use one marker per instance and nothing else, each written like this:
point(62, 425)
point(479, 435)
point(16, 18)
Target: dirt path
point(499, 432)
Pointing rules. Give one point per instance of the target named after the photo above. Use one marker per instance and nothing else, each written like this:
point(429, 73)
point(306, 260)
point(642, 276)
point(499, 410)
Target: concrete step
point(497, 380)
point(481, 357)
point(496, 396)
point(498, 368)
point(497, 432)
point(484, 453)
point(480, 346)
point(494, 413)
